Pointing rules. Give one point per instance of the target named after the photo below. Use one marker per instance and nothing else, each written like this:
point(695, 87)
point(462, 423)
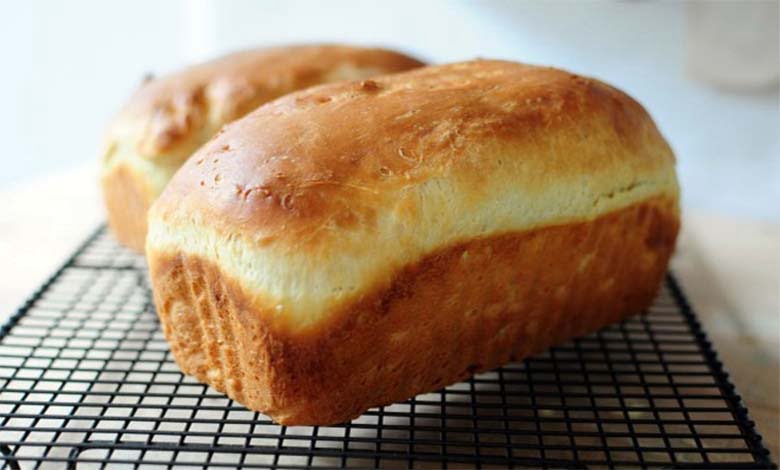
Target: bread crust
point(127, 201)
point(318, 196)
point(459, 310)
point(355, 244)
point(328, 154)
point(168, 118)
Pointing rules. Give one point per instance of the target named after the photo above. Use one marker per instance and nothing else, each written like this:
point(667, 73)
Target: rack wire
point(87, 381)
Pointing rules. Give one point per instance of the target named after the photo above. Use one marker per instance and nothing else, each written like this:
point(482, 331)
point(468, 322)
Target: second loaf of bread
point(356, 244)
point(168, 118)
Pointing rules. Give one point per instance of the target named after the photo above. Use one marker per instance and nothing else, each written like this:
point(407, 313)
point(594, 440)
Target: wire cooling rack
point(88, 382)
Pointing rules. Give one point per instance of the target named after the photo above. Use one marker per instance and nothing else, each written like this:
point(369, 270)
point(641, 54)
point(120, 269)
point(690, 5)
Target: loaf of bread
point(169, 118)
point(355, 244)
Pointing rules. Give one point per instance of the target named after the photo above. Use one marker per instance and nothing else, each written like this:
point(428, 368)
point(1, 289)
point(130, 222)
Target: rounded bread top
point(172, 115)
point(331, 158)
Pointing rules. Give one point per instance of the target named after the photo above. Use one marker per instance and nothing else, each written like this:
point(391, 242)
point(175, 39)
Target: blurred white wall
point(67, 66)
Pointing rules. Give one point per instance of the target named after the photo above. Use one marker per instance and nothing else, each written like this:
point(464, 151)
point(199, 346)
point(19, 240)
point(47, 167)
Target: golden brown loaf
point(355, 244)
point(169, 118)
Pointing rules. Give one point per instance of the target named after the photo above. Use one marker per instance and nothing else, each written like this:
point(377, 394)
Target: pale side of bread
point(357, 243)
point(169, 118)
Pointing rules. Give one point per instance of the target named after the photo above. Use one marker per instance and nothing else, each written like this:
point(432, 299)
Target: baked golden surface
point(354, 244)
point(169, 118)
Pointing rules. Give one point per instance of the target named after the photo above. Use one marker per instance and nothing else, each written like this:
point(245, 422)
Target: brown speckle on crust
point(369, 85)
point(287, 201)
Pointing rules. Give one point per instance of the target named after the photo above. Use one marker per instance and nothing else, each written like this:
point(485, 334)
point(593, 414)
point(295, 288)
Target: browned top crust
point(167, 111)
point(326, 155)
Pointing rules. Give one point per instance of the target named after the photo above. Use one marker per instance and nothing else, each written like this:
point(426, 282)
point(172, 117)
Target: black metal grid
point(87, 381)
